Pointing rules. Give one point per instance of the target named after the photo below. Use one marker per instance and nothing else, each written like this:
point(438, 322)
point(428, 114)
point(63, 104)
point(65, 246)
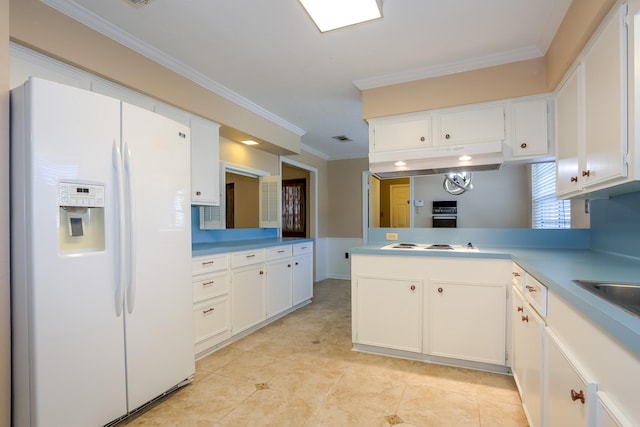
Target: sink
point(623, 295)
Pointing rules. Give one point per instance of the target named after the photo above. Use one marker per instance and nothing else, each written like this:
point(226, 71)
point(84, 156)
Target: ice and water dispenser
point(81, 217)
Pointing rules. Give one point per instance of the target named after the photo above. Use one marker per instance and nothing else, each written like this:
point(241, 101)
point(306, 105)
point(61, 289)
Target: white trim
point(315, 152)
point(99, 24)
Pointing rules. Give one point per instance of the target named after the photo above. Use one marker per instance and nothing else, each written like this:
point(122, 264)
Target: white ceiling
point(269, 56)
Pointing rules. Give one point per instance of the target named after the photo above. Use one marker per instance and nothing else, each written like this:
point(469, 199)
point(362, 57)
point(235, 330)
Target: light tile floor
point(300, 371)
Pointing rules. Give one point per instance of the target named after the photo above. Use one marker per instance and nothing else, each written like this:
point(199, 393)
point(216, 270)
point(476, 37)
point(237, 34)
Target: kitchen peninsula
point(465, 308)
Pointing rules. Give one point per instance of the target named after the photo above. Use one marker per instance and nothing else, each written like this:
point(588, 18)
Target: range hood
point(437, 160)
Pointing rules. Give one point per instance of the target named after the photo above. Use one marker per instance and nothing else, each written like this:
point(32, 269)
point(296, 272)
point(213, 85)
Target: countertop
point(556, 269)
point(201, 249)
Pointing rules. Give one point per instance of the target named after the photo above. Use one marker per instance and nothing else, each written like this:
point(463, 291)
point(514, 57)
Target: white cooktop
point(431, 247)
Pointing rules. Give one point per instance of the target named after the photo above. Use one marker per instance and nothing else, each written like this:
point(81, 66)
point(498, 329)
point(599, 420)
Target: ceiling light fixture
point(332, 14)
point(249, 142)
point(400, 163)
point(464, 158)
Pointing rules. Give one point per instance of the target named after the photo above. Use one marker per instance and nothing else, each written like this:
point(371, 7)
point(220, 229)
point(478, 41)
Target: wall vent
point(341, 138)
point(137, 3)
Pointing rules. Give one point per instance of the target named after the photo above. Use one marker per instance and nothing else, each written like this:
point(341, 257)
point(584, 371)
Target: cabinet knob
point(297, 263)
point(525, 319)
point(261, 272)
point(520, 309)
point(523, 145)
point(447, 136)
point(413, 287)
point(288, 265)
point(574, 179)
point(440, 290)
point(586, 173)
point(198, 193)
point(577, 395)
point(422, 138)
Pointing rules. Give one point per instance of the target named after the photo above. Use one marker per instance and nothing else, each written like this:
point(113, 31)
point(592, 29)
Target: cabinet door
point(205, 163)
point(568, 135)
point(400, 133)
point(530, 133)
point(248, 297)
point(527, 330)
point(302, 278)
point(210, 323)
point(567, 393)
point(468, 321)
point(605, 83)
point(471, 125)
point(388, 313)
point(279, 291)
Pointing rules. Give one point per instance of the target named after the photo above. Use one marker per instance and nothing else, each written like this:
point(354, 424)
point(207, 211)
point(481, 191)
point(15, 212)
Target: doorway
point(400, 199)
point(294, 207)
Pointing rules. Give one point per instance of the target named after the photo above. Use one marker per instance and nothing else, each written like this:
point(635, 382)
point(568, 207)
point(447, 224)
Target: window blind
point(548, 211)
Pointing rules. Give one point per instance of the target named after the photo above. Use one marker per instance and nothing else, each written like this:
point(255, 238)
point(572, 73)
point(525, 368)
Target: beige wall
point(243, 155)
point(493, 83)
point(5, 324)
point(345, 197)
point(35, 25)
point(246, 201)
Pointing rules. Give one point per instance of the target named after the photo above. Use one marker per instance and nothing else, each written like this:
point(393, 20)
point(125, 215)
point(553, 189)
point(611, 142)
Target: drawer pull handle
point(207, 263)
point(281, 252)
point(525, 319)
point(516, 274)
point(208, 283)
point(577, 395)
point(251, 256)
point(520, 309)
point(304, 247)
point(530, 288)
point(209, 310)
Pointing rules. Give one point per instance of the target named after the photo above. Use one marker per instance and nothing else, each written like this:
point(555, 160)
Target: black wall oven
point(444, 214)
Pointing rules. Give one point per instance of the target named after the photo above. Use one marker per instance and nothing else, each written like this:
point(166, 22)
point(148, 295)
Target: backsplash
point(212, 236)
point(615, 225)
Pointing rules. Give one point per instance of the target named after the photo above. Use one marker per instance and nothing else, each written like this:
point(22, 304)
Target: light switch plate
point(392, 236)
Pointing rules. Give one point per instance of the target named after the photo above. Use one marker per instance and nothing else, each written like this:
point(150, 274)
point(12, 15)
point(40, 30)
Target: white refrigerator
point(100, 256)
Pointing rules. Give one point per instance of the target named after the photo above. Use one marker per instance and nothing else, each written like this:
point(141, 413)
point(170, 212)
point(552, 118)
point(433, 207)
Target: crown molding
point(313, 151)
point(101, 25)
point(450, 68)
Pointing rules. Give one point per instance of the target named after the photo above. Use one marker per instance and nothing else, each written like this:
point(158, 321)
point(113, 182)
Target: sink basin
point(623, 295)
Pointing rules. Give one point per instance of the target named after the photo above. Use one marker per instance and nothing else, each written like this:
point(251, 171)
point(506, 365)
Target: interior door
point(158, 314)
point(400, 203)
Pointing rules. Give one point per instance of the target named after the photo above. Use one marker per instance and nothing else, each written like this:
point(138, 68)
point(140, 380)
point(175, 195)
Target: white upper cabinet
point(529, 128)
point(469, 125)
point(408, 131)
point(205, 162)
point(592, 146)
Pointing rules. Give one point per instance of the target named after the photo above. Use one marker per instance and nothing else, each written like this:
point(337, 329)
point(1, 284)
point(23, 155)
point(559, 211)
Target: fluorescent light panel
point(332, 14)
point(249, 142)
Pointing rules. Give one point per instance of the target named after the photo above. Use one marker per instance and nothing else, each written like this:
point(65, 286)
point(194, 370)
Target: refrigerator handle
point(119, 181)
point(131, 224)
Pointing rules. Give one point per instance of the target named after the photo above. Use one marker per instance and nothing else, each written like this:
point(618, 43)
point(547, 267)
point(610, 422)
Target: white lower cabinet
point(389, 313)
point(527, 329)
point(467, 321)
point(236, 291)
point(248, 297)
point(436, 308)
point(302, 272)
point(569, 394)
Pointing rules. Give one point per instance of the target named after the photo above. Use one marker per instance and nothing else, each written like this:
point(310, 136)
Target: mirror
point(242, 201)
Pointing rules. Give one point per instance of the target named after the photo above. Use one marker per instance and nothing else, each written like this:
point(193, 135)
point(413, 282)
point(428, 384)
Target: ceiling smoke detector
point(342, 138)
point(137, 3)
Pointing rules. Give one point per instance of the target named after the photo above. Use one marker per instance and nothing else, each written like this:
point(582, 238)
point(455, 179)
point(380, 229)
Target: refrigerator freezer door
point(68, 346)
point(158, 314)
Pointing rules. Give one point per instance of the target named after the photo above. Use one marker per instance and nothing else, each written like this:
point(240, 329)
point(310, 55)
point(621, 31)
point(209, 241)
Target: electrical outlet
point(392, 236)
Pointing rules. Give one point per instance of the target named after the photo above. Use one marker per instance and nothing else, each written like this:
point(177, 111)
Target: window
point(548, 211)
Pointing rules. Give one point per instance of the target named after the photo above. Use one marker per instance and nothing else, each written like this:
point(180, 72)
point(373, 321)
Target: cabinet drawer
point(210, 318)
point(206, 264)
point(211, 285)
point(517, 274)
point(279, 252)
point(536, 294)
point(239, 259)
point(302, 248)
